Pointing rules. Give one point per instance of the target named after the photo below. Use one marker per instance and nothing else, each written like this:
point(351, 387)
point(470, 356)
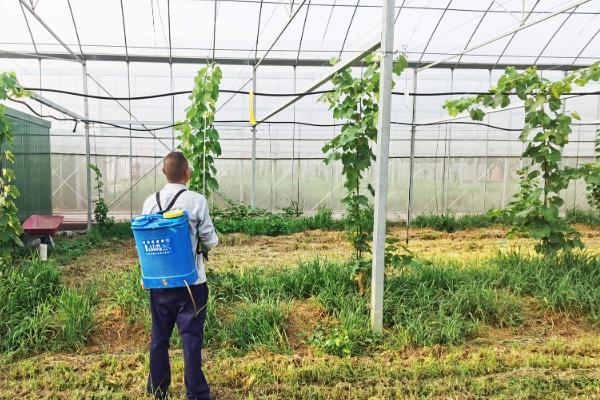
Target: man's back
point(200, 224)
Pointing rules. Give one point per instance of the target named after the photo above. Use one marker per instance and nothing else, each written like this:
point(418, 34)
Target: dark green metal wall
point(32, 162)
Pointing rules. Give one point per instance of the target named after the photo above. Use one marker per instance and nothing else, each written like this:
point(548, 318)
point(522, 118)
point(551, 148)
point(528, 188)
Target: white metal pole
point(382, 151)
point(293, 136)
point(130, 144)
point(448, 170)
point(299, 162)
point(487, 148)
point(86, 114)
point(505, 180)
point(253, 189)
point(172, 108)
point(413, 130)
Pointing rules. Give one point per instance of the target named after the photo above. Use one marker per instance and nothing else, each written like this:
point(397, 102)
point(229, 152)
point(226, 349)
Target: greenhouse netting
point(122, 49)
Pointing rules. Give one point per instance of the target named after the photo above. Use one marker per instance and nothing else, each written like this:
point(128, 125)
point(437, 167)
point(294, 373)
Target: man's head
point(176, 168)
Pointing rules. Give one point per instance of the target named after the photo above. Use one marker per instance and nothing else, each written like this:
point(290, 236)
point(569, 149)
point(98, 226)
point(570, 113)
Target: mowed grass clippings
point(559, 368)
point(239, 251)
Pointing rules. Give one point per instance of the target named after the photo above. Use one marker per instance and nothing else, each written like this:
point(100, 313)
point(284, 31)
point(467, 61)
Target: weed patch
point(452, 223)
point(261, 222)
point(567, 282)
point(425, 305)
point(584, 217)
point(37, 312)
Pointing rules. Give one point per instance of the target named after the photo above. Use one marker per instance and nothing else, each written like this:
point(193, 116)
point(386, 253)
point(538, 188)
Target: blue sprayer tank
point(165, 249)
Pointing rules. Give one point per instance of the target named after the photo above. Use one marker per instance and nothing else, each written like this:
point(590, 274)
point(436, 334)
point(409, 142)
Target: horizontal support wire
point(299, 123)
point(318, 140)
point(406, 157)
point(276, 94)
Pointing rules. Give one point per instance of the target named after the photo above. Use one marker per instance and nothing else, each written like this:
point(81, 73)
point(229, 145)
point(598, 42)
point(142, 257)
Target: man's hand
point(204, 250)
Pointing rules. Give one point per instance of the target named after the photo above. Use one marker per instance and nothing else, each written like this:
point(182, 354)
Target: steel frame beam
point(408, 7)
point(75, 27)
point(525, 18)
point(476, 29)
point(584, 47)
point(320, 82)
point(434, 31)
point(348, 29)
point(29, 29)
point(554, 35)
point(260, 61)
point(49, 103)
point(283, 62)
point(508, 33)
point(50, 31)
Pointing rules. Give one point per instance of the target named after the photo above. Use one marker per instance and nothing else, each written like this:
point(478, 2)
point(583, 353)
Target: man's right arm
point(206, 230)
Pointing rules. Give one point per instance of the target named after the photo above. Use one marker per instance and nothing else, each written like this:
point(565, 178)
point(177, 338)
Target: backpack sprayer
point(164, 248)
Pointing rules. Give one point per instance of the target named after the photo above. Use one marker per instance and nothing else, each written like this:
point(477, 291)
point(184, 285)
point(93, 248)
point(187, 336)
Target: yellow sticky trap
point(252, 117)
point(173, 214)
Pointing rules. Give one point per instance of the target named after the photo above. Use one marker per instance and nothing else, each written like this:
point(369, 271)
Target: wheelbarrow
point(40, 229)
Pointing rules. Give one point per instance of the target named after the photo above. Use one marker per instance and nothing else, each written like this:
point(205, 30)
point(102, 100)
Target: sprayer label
point(157, 247)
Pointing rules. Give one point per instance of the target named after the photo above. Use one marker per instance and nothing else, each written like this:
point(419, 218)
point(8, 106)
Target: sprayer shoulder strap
point(171, 203)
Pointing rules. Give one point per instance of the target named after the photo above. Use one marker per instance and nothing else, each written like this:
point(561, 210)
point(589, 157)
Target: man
point(175, 305)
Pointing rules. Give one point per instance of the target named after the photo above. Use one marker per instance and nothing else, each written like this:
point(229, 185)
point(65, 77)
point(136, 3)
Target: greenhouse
point(406, 195)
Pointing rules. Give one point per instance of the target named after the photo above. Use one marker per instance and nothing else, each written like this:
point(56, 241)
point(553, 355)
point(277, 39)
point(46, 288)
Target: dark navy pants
point(170, 307)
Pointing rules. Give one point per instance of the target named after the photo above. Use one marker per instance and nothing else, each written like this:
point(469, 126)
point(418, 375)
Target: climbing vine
point(199, 138)
point(534, 210)
point(593, 188)
point(101, 208)
point(354, 101)
point(10, 227)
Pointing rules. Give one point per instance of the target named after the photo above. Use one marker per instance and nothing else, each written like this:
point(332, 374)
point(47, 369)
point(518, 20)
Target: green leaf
point(400, 64)
point(476, 114)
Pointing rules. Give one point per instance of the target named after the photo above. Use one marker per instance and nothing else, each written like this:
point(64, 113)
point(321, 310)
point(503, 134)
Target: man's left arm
point(149, 204)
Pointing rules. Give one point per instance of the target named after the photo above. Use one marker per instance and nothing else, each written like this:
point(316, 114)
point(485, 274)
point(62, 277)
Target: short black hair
point(175, 165)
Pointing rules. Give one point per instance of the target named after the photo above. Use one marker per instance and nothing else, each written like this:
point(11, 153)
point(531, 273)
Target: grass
point(38, 313)
point(452, 330)
point(566, 283)
point(256, 326)
point(558, 369)
point(256, 222)
point(269, 224)
point(66, 250)
point(585, 217)
point(425, 304)
point(446, 305)
point(452, 223)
